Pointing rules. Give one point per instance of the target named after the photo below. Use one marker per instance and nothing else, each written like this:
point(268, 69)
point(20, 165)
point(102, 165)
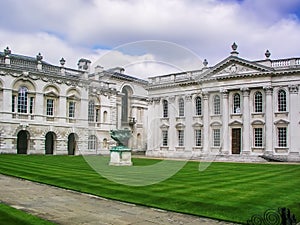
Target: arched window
point(217, 105)
point(104, 116)
point(181, 107)
point(91, 111)
point(92, 142)
point(236, 103)
point(127, 93)
point(165, 108)
point(198, 106)
point(281, 101)
point(258, 102)
point(22, 100)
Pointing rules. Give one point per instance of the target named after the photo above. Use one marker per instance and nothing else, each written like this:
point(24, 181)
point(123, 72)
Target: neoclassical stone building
point(237, 107)
point(47, 109)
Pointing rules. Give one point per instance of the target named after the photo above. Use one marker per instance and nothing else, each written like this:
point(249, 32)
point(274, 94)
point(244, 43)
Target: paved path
point(69, 207)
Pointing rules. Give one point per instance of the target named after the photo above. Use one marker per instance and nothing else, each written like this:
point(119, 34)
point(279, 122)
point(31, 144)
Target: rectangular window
point(165, 137)
point(50, 107)
point(198, 137)
point(13, 103)
point(180, 137)
point(282, 137)
point(97, 115)
point(258, 137)
point(31, 105)
point(72, 109)
point(217, 137)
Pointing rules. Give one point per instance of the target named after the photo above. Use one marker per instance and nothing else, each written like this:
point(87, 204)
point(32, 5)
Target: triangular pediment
point(234, 66)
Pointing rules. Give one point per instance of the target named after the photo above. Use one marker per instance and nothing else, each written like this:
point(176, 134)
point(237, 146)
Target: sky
point(150, 37)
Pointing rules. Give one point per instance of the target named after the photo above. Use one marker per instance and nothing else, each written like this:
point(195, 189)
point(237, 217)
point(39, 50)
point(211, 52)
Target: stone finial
point(39, 57)
point(62, 61)
point(7, 51)
point(205, 63)
point(267, 54)
point(234, 49)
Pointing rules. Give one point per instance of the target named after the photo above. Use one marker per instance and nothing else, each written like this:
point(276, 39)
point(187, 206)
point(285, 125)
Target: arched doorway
point(50, 143)
point(72, 145)
point(22, 142)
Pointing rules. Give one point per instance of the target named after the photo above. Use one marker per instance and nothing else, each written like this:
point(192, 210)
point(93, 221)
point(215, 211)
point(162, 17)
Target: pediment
point(197, 125)
point(236, 123)
point(281, 122)
point(51, 94)
point(258, 122)
point(233, 66)
point(164, 126)
point(180, 126)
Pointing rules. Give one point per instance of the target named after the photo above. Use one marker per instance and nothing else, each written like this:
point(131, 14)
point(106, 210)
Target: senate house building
point(236, 108)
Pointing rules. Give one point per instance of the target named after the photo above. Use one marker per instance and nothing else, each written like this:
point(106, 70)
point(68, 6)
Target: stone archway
point(72, 144)
point(50, 139)
point(22, 142)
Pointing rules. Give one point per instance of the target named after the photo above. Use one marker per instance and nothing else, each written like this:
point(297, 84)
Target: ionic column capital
point(293, 89)
point(268, 90)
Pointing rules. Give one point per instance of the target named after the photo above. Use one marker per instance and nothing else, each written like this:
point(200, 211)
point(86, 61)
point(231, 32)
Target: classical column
point(246, 121)
point(172, 133)
point(225, 119)
point(156, 133)
point(294, 120)
point(189, 131)
point(269, 119)
point(206, 136)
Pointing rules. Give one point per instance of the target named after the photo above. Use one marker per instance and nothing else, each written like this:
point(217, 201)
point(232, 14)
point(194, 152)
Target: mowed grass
point(12, 216)
point(225, 191)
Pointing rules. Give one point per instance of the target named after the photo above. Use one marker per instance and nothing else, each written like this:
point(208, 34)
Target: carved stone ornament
point(172, 98)
point(188, 98)
point(268, 90)
point(293, 89)
point(156, 100)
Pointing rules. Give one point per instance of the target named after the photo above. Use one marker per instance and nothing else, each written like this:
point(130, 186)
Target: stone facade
point(237, 107)
point(234, 108)
point(47, 109)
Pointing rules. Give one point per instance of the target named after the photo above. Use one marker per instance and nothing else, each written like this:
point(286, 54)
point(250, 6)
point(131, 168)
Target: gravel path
point(73, 208)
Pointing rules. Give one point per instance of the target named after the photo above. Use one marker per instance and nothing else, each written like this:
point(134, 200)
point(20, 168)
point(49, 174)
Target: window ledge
point(180, 148)
point(164, 148)
point(197, 148)
point(281, 113)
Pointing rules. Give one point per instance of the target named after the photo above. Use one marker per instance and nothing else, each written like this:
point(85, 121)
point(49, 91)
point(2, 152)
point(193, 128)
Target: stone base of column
point(246, 152)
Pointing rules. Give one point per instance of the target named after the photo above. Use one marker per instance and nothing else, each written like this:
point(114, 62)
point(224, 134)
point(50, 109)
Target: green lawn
point(12, 216)
point(226, 191)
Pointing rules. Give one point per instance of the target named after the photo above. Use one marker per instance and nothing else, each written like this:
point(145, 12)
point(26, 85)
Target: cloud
point(76, 28)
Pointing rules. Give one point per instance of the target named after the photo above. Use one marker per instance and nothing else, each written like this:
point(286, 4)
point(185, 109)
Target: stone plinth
point(120, 156)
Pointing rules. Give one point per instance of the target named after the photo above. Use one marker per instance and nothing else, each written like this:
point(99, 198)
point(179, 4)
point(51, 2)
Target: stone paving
point(73, 208)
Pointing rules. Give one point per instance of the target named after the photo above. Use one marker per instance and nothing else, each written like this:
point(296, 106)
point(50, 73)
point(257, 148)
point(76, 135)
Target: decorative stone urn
point(120, 155)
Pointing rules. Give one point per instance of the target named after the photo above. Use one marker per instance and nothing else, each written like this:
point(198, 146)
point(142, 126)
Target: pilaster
point(246, 122)
point(206, 135)
point(225, 121)
point(294, 120)
point(269, 119)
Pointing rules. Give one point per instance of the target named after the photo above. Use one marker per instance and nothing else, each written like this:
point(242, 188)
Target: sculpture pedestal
point(120, 156)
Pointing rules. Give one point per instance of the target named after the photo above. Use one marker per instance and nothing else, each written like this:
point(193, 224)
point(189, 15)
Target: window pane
point(198, 137)
point(236, 103)
point(281, 101)
point(258, 137)
point(91, 111)
point(198, 106)
point(282, 137)
point(216, 136)
point(165, 137)
point(50, 107)
point(181, 107)
point(217, 105)
point(165, 108)
point(72, 109)
point(22, 100)
point(31, 105)
point(258, 102)
point(180, 138)
point(92, 141)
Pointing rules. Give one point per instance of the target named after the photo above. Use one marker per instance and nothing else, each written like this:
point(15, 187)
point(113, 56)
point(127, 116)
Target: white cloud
point(76, 28)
